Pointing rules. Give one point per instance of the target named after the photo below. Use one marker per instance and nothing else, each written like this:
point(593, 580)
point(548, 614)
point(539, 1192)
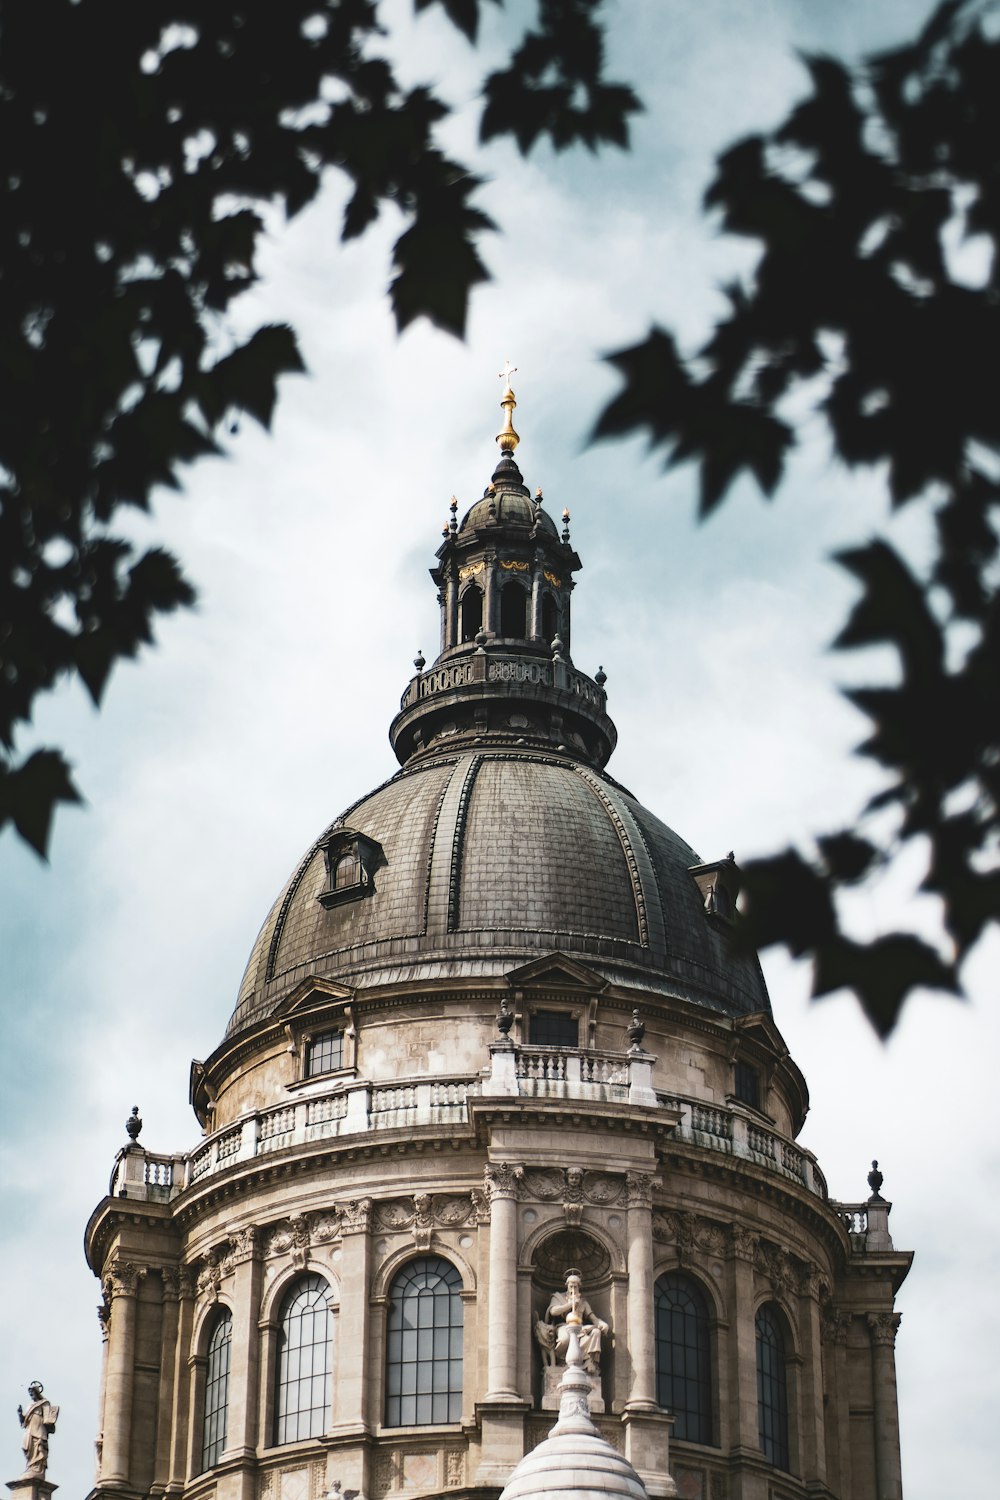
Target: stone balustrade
point(526, 1072)
point(496, 666)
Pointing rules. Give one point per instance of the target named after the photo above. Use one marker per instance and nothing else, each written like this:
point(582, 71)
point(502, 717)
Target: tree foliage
point(861, 202)
point(141, 142)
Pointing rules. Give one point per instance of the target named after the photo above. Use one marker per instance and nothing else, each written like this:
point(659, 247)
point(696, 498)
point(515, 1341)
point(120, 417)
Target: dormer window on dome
point(351, 862)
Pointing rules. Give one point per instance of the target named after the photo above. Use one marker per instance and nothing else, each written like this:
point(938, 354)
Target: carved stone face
point(35, 1389)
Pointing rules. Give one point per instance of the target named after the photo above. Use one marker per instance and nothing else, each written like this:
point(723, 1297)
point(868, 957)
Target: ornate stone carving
point(480, 1205)
point(171, 1278)
point(357, 1215)
point(209, 1279)
point(684, 1232)
point(743, 1242)
point(423, 1221)
point(384, 1471)
point(38, 1423)
point(663, 1229)
point(638, 1190)
point(395, 1213)
point(104, 1317)
point(501, 1180)
point(602, 1188)
point(121, 1279)
point(454, 1211)
point(545, 1186)
point(884, 1326)
point(243, 1245)
point(574, 1185)
point(836, 1325)
point(325, 1227)
point(454, 1468)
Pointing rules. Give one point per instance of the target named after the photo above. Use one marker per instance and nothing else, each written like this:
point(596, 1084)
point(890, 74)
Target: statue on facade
point(566, 1310)
point(38, 1422)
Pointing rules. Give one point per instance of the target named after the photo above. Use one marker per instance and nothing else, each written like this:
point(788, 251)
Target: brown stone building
point(494, 1029)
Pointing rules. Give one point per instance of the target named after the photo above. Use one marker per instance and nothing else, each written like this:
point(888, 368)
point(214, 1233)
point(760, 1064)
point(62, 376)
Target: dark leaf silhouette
point(853, 200)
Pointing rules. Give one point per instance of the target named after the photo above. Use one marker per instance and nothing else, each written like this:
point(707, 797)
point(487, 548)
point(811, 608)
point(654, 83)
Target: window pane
point(683, 1374)
point(772, 1389)
point(217, 1391)
point(424, 1345)
point(553, 1028)
point(303, 1375)
point(326, 1053)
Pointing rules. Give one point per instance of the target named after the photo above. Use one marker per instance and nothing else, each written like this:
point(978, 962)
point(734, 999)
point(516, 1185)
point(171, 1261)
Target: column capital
point(743, 1243)
point(357, 1215)
point(884, 1326)
point(121, 1279)
point(836, 1324)
point(638, 1190)
point(244, 1244)
point(501, 1179)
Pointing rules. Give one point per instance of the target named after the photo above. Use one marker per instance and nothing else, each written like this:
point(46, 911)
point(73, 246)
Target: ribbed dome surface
point(493, 858)
point(506, 508)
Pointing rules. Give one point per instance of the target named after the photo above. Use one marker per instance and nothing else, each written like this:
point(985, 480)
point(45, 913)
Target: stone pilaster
point(357, 1350)
point(836, 1326)
point(813, 1443)
point(165, 1392)
point(742, 1354)
point(888, 1479)
point(244, 1368)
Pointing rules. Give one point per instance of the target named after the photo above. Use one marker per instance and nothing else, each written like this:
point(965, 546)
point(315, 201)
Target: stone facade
point(436, 1067)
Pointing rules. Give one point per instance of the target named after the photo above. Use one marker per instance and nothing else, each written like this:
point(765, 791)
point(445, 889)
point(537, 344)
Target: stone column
point(647, 1429)
point(104, 1317)
point(641, 1342)
point(888, 1478)
point(501, 1186)
point(501, 1412)
point(490, 594)
point(180, 1414)
point(535, 621)
point(121, 1282)
point(244, 1365)
point(836, 1326)
point(165, 1394)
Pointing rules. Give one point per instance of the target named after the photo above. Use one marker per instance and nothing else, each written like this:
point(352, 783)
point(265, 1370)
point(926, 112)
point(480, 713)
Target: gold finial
point(507, 437)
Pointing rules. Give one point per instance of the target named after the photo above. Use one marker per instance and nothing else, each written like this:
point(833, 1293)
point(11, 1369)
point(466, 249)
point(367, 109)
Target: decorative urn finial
point(507, 437)
point(875, 1180)
point(635, 1032)
point(505, 1018)
point(133, 1124)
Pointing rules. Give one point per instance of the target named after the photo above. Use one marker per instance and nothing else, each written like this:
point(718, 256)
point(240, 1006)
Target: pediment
point(557, 971)
point(310, 993)
point(762, 1030)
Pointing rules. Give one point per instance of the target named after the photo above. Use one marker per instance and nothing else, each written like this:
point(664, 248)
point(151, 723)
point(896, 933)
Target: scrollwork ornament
point(394, 1213)
point(357, 1215)
point(836, 1325)
point(243, 1245)
point(884, 1327)
point(501, 1180)
point(480, 1205)
point(122, 1279)
point(638, 1190)
point(663, 1228)
point(171, 1278)
point(743, 1242)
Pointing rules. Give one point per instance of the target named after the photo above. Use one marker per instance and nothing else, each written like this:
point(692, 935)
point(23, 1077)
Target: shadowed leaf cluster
point(860, 202)
point(141, 144)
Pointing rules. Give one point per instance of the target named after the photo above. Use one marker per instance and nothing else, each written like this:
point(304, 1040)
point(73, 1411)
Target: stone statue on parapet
point(38, 1422)
point(571, 1310)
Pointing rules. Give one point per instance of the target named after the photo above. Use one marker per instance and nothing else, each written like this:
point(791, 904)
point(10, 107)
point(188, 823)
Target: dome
point(502, 838)
point(574, 1461)
point(485, 859)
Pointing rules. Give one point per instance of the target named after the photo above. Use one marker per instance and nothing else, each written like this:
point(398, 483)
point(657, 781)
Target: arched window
point(513, 611)
point(683, 1370)
point(345, 871)
point(772, 1388)
point(472, 612)
point(213, 1431)
point(423, 1375)
point(302, 1397)
point(550, 618)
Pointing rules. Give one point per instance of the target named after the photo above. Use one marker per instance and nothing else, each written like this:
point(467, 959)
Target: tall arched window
point(683, 1369)
point(213, 1431)
point(772, 1387)
point(423, 1375)
point(513, 611)
point(472, 612)
point(302, 1396)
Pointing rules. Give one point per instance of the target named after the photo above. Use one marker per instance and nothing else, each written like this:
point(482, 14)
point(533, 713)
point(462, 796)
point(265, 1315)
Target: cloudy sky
point(222, 753)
